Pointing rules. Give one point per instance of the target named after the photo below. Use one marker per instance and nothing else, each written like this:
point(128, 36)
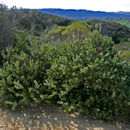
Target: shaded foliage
point(35, 22)
point(5, 27)
point(6, 31)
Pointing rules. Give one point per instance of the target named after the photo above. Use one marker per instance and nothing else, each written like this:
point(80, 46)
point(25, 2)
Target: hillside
point(35, 22)
point(86, 14)
point(80, 30)
point(115, 30)
point(39, 24)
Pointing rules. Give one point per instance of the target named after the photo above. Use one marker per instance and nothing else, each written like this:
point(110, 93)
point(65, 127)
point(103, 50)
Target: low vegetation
point(125, 22)
point(124, 50)
point(78, 31)
point(66, 74)
point(78, 69)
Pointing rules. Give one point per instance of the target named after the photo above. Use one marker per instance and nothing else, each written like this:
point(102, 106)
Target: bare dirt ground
point(49, 117)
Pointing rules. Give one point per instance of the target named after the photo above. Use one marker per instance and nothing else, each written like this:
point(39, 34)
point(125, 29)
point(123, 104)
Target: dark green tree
point(5, 28)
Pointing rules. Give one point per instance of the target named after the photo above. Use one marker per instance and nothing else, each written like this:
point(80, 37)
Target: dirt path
point(49, 117)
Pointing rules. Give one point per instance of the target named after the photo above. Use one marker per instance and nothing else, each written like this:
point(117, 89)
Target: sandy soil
point(49, 117)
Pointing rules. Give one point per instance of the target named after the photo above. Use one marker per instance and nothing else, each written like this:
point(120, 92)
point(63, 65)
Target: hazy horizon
point(98, 5)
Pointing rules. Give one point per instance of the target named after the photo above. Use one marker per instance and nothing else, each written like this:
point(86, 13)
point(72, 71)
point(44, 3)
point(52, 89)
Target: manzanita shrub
point(23, 72)
point(87, 77)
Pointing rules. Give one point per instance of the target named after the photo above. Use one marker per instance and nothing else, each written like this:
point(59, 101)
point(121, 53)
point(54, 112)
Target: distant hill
point(86, 14)
point(39, 24)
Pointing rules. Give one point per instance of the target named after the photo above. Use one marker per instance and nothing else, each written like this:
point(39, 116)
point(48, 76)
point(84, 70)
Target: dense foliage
point(6, 33)
point(88, 77)
point(76, 31)
point(78, 69)
point(23, 72)
point(34, 22)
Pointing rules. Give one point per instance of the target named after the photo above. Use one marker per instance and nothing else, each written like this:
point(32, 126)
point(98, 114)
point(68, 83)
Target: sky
point(96, 5)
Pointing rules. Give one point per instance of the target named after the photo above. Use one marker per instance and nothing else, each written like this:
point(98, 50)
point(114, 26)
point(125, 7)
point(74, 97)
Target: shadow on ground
point(48, 116)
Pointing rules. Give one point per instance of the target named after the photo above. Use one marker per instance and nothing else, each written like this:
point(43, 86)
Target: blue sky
point(102, 5)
